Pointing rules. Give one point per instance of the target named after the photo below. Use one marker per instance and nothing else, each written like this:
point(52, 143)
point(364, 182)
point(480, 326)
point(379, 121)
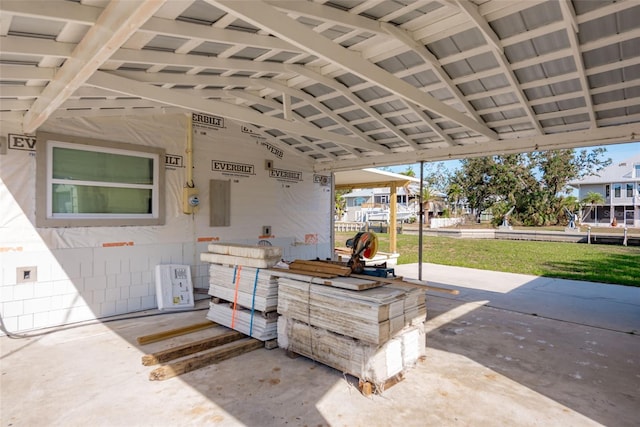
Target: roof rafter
point(584, 137)
point(262, 15)
point(114, 26)
point(493, 40)
point(344, 91)
point(190, 102)
point(252, 99)
point(569, 17)
point(325, 111)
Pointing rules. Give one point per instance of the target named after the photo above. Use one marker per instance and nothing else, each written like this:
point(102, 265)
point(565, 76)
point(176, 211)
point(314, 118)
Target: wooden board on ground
point(367, 388)
point(216, 355)
point(190, 348)
point(159, 336)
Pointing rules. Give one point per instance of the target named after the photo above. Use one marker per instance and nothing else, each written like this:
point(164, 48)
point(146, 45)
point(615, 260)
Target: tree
point(409, 172)
point(454, 194)
point(340, 203)
point(593, 199)
point(535, 184)
point(437, 176)
point(428, 196)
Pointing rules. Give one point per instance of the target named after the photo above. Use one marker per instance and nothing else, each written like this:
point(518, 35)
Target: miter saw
point(364, 244)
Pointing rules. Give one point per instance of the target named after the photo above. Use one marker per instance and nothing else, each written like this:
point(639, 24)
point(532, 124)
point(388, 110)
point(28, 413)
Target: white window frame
point(45, 217)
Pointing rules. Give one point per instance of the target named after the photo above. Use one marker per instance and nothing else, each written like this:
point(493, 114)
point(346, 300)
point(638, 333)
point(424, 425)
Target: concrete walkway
point(485, 366)
point(600, 305)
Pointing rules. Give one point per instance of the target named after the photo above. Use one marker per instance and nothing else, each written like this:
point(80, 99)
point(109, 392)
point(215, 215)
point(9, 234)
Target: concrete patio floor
point(485, 366)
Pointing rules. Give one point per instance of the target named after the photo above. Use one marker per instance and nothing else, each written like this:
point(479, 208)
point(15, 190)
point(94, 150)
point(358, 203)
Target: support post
point(420, 221)
point(393, 205)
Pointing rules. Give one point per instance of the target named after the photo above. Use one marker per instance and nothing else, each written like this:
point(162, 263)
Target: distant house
point(619, 185)
point(364, 203)
point(372, 204)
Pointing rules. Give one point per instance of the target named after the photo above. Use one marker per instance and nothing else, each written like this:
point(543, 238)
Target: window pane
point(82, 199)
point(629, 190)
point(83, 165)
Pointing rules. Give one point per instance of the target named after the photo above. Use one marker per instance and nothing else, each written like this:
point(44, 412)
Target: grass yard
point(595, 263)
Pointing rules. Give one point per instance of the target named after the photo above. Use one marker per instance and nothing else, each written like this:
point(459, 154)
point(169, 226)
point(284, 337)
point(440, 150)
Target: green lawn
point(596, 263)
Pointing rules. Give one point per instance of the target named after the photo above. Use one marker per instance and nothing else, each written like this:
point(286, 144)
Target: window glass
point(86, 182)
point(617, 189)
point(82, 199)
point(81, 165)
point(629, 190)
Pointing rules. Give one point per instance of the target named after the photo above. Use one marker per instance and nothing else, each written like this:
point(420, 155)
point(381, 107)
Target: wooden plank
point(401, 281)
point(367, 388)
point(216, 355)
point(190, 348)
point(159, 336)
point(320, 266)
point(333, 280)
point(302, 272)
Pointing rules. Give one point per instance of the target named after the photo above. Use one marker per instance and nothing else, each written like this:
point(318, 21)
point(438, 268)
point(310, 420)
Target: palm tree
point(428, 196)
point(454, 192)
point(593, 199)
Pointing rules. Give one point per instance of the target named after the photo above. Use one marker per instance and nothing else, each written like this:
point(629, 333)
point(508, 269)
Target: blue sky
point(617, 153)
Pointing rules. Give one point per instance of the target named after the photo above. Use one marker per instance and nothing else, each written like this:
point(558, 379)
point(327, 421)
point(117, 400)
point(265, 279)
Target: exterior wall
point(84, 273)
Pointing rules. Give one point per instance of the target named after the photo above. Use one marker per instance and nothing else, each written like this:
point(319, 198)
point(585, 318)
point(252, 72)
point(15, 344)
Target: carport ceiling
point(344, 84)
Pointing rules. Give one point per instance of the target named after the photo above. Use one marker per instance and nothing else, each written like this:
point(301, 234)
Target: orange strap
point(235, 297)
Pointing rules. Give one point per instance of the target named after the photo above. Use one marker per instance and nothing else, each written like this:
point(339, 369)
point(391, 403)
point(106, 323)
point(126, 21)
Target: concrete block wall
point(81, 284)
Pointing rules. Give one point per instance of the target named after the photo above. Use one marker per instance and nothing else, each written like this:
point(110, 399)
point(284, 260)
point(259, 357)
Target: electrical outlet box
point(266, 230)
point(26, 274)
point(190, 200)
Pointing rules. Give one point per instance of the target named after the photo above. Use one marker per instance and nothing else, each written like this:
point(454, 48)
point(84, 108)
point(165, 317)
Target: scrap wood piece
point(216, 355)
point(401, 281)
point(159, 336)
point(367, 388)
point(190, 348)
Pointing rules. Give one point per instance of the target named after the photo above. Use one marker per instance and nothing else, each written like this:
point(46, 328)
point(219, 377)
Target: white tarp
point(293, 205)
point(80, 273)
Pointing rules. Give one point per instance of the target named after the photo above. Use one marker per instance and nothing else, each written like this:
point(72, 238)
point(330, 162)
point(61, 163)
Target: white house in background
point(619, 185)
point(372, 204)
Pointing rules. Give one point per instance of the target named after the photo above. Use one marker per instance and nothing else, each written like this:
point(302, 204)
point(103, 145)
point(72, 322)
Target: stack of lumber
point(246, 255)
point(196, 354)
point(249, 287)
point(374, 334)
point(371, 315)
point(259, 325)
point(245, 292)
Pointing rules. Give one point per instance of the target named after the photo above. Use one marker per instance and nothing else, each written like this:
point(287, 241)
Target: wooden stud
point(271, 344)
point(190, 348)
point(216, 355)
point(147, 339)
